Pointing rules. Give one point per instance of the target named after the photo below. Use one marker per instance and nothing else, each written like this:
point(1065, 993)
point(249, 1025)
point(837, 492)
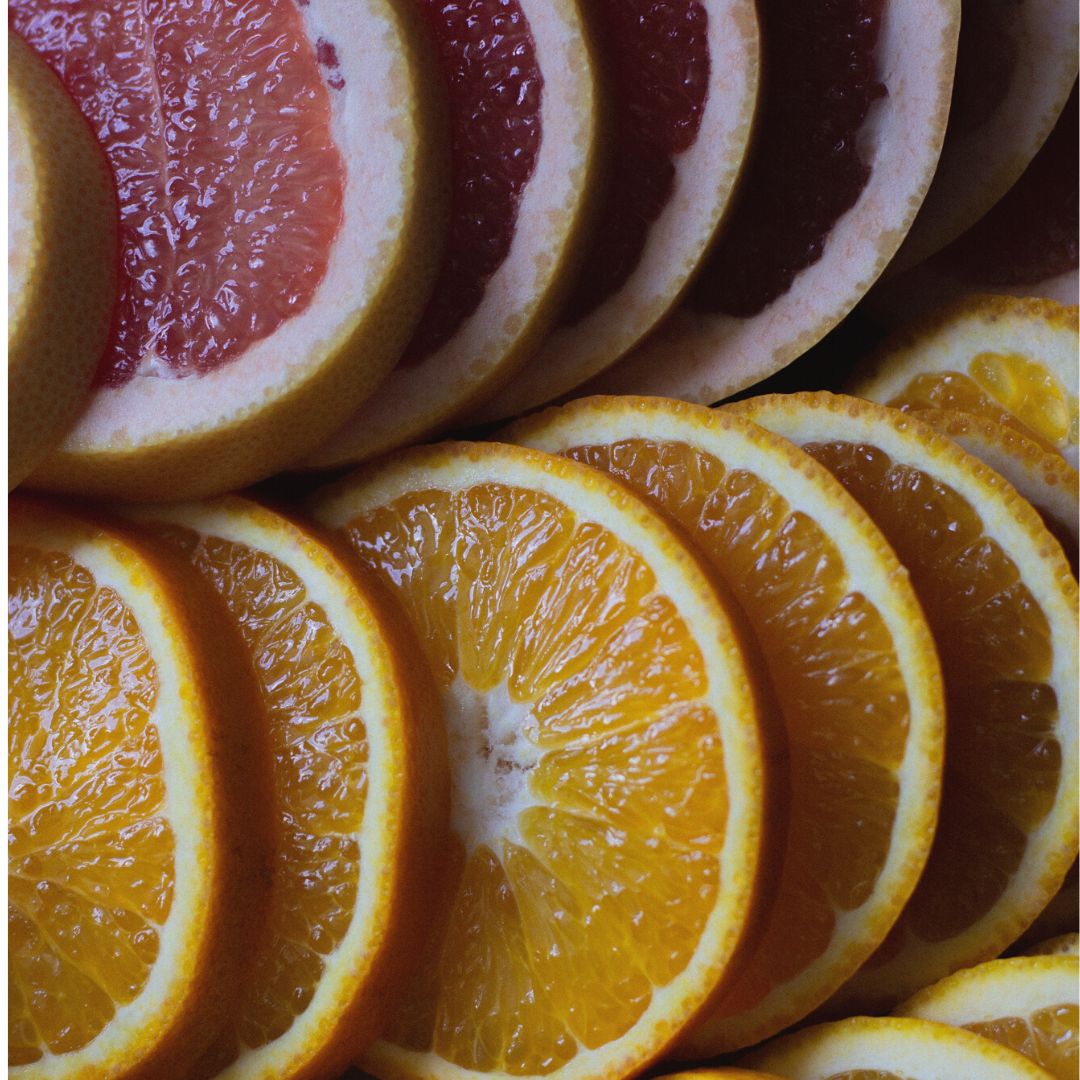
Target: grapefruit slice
point(847, 651)
point(360, 788)
point(683, 81)
point(606, 763)
point(278, 180)
point(62, 259)
point(523, 112)
point(1002, 605)
point(1015, 67)
point(137, 837)
point(828, 193)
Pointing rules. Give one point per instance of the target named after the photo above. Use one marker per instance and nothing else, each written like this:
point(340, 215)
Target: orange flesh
point(835, 678)
point(589, 797)
point(90, 859)
point(1003, 766)
point(1050, 1037)
point(312, 692)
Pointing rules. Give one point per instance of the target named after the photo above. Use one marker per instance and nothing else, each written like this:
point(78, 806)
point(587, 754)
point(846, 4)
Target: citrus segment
point(1001, 602)
point(61, 259)
point(605, 758)
point(133, 879)
point(891, 1048)
point(1012, 361)
point(1030, 1004)
point(852, 668)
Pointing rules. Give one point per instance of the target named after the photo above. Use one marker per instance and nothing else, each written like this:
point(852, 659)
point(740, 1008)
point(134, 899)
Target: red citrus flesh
point(805, 169)
point(494, 86)
point(658, 81)
point(1031, 233)
point(216, 121)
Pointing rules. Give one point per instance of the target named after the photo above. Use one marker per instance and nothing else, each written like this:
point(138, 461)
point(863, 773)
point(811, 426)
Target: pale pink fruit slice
point(704, 354)
point(523, 115)
point(275, 166)
point(683, 82)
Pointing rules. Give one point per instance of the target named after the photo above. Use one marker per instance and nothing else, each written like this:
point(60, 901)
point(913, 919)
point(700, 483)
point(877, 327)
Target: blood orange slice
point(523, 110)
point(683, 80)
point(828, 193)
point(275, 167)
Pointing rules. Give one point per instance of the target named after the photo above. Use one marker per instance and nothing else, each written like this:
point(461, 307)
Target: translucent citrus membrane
point(1008, 388)
point(560, 659)
point(1049, 1037)
point(1003, 766)
point(834, 674)
point(90, 860)
point(312, 691)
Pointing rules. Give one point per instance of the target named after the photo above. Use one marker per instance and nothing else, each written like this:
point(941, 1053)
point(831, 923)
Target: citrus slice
point(524, 117)
point(848, 653)
point(1047, 482)
point(137, 842)
point(683, 81)
point(360, 791)
point(1062, 945)
point(1030, 1004)
point(855, 102)
point(1010, 360)
point(1015, 67)
point(62, 259)
point(605, 758)
point(1002, 605)
point(1058, 917)
point(278, 172)
point(891, 1048)
point(731, 1073)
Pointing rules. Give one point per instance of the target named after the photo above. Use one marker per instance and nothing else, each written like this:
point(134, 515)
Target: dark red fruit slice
point(658, 79)
point(1030, 234)
point(805, 169)
point(494, 86)
point(216, 121)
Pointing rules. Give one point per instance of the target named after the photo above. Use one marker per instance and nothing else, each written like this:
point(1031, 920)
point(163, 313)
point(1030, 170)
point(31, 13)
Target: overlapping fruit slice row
point(648, 730)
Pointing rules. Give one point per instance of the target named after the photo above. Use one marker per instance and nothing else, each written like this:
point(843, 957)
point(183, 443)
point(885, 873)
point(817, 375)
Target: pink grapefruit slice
point(683, 81)
point(275, 166)
point(828, 193)
point(1014, 69)
point(522, 95)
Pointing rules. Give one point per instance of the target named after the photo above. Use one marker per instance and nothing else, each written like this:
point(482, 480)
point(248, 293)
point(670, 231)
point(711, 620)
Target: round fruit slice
point(1013, 361)
point(722, 1074)
point(1015, 67)
point(62, 259)
point(1030, 1004)
point(278, 176)
point(360, 788)
point(855, 101)
point(853, 672)
point(607, 772)
point(892, 1048)
point(1041, 476)
point(523, 113)
point(1063, 945)
point(137, 843)
point(1002, 605)
point(683, 85)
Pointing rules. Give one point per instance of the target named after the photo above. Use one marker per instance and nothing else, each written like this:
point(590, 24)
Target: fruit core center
point(491, 757)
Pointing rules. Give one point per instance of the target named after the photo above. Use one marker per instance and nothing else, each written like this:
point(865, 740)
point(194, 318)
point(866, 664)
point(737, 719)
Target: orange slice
point(1002, 605)
point(1041, 476)
point(136, 834)
point(62, 259)
point(1030, 1004)
point(360, 788)
point(859, 715)
point(1010, 360)
point(891, 1048)
point(1062, 945)
point(524, 118)
point(607, 787)
point(280, 171)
